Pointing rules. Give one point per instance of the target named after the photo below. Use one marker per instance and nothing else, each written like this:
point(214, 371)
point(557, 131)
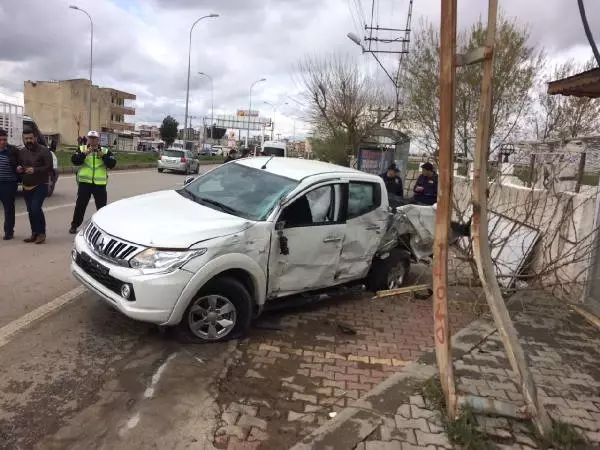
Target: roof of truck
point(295, 168)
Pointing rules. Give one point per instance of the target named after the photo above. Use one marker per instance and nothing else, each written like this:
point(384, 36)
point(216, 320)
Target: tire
point(385, 273)
point(223, 292)
point(161, 170)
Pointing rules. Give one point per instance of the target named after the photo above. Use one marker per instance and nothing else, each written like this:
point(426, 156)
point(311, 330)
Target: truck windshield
point(239, 190)
point(273, 151)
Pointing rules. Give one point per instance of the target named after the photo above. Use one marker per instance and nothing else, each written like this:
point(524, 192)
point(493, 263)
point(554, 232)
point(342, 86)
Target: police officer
point(92, 176)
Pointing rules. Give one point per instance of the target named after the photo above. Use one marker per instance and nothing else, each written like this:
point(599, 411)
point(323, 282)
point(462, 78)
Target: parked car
point(178, 160)
point(206, 258)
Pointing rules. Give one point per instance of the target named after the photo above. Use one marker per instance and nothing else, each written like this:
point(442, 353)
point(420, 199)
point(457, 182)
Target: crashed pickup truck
point(206, 258)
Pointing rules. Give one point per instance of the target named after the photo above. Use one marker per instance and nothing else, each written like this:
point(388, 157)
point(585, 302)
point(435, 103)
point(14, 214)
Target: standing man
point(425, 190)
point(92, 177)
point(8, 183)
point(35, 164)
point(393, 182)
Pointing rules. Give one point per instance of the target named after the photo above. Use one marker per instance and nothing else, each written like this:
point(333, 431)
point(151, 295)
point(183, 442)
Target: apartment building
point(60, 108)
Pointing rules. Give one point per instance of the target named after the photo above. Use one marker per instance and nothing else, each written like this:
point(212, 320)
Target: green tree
point(516, 65)
point(168, 130)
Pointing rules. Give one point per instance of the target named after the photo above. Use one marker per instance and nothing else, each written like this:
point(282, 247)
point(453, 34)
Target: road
point(75, 374)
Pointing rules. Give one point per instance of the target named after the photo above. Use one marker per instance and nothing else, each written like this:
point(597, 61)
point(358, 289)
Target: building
point(60, 108)
point(148, 132)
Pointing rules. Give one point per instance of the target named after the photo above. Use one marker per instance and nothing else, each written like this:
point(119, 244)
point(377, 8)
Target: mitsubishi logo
point(100, 243)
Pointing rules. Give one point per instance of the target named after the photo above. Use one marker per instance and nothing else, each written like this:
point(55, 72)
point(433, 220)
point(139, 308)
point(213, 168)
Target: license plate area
point(94, 265)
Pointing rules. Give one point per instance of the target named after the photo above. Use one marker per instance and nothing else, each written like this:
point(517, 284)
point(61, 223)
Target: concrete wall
point(565, 220)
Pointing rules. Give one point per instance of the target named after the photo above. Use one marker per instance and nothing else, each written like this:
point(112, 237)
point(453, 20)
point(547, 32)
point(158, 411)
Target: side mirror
point(188, 180)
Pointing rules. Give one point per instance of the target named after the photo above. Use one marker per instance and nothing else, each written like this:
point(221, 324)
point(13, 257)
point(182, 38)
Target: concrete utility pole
point(77, 8)
point(249, 111)
point(212, 99)
point(187, 93)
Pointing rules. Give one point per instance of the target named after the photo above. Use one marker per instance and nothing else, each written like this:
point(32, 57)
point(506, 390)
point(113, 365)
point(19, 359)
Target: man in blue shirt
point(425, 190)
point(8, 183)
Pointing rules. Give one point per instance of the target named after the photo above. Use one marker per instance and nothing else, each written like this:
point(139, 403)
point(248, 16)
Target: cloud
point(141, 46)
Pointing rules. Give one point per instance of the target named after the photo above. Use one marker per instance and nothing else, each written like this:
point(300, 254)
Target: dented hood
point(165, 219)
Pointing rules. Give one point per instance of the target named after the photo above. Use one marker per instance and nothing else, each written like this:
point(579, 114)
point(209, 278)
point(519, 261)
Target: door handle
point(332, 239)
point(373, 227)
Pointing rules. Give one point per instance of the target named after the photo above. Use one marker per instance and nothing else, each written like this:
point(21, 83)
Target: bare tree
point(515, 67)
point(344, 105)
point(557, 116)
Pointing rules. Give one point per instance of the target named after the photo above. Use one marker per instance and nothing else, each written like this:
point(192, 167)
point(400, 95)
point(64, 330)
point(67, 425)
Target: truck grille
point(109, 247)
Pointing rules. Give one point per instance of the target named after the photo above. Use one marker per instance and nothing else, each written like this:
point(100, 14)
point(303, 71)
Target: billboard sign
point(246, 113)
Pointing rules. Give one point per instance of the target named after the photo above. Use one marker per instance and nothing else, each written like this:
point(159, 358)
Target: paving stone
point(312, 408)
point(293, 387)
point(418, 413)
point(304, 397)
point(242, 409)
point(237, 444)
point(417, 400)
point(382, 445)
point(256, 434)
point(407, 446)
point(415, 424)
point(492, 422)
point(438, 439)
point(253, 374)
point(251, 421)
point(230, 417)
point(404, 411)
point(525, 440)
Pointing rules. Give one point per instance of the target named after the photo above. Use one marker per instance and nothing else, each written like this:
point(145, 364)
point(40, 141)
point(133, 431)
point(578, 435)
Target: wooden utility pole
point(481, 246)
point(443, 349)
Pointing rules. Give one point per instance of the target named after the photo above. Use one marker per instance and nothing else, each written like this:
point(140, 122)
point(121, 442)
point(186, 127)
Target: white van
point(274, 148)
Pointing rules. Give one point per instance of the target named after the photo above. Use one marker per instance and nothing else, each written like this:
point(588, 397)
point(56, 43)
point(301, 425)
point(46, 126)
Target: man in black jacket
point(425, 190)
point(8, 183)
point(92, 176)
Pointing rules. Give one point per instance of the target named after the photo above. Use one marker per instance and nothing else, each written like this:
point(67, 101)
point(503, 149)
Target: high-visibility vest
point(93, 170)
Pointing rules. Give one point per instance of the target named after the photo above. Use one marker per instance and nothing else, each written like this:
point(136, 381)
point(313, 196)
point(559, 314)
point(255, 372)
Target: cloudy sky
point(141, 46)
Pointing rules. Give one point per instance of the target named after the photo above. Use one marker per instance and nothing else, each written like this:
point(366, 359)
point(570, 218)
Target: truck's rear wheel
point(222, 310)
point(389, 273)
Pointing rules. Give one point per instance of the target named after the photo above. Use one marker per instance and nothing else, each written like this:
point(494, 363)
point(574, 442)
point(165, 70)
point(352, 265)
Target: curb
point(74, 169)
point(354, 423)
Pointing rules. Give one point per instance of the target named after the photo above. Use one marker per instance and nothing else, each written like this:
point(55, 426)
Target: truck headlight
point(163, 260)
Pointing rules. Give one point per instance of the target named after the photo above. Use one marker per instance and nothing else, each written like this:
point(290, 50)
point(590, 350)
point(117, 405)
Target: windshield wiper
point(189, 194)
point(221, 206)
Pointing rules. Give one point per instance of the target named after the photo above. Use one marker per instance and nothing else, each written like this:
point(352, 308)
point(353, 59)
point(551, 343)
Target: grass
point(462, 432)
point(125, 159)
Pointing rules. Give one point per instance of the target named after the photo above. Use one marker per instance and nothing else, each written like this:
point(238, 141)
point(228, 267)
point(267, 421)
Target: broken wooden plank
point(402, 290)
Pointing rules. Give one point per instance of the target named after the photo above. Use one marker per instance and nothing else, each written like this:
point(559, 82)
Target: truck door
point(312, 234)
point(365, 227)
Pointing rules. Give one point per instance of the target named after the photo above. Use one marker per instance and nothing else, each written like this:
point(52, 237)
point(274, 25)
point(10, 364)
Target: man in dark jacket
point(425, 190)
point(393, 182)
point(35, 164)
point(92, 177)
point(8, 183)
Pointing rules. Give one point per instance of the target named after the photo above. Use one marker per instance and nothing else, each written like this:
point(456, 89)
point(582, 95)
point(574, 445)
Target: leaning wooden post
point(443, 347)
point(481, 248)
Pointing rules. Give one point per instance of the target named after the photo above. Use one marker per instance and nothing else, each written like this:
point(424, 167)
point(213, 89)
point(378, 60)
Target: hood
point(165, 219)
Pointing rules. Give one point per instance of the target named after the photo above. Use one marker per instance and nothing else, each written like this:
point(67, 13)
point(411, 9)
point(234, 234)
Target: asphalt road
point(75, 374)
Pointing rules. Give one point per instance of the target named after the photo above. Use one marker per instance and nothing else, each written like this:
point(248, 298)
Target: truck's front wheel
point(222, 310)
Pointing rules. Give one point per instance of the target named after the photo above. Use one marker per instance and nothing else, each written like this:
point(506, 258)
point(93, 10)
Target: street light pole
point(275, 107)
point(77, 8)
point(249, 111)
point(212, 99)
point(187, 93)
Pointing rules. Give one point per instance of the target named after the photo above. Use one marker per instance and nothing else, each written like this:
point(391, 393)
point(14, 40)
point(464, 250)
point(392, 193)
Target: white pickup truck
point(208, 257)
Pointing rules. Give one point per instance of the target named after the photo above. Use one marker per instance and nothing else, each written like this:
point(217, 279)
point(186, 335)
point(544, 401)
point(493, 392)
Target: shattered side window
point(362, 198)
